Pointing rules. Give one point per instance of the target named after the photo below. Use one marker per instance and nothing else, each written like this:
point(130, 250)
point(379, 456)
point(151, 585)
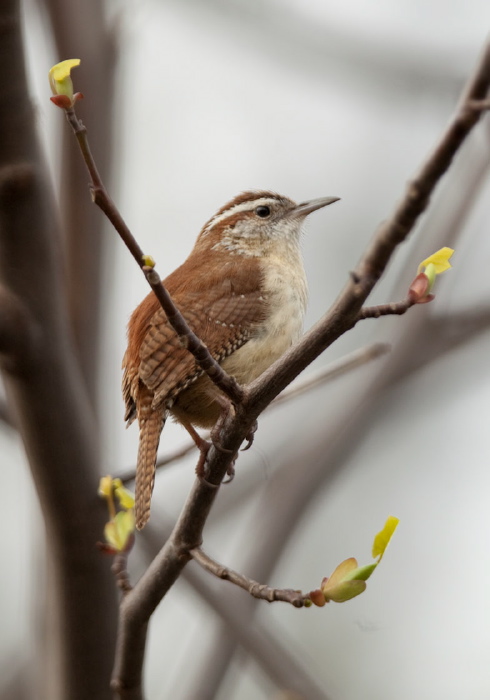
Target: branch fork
point(139, 603)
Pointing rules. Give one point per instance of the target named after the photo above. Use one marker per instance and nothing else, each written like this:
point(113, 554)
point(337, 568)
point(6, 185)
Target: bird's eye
point(263, 212)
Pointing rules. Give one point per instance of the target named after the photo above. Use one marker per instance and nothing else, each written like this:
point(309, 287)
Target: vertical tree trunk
point(48, 395)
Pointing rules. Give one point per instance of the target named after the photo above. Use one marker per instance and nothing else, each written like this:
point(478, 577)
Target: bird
point(243, 292)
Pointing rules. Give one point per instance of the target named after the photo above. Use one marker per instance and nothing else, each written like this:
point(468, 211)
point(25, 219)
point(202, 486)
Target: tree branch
point(353, 360)
point(191, 341)
point(59, 440)
point(288, 493)
point(393, 309)
point(276, 656)
point(5, 416)
point(81, 28)
point(256, 590)
point(120, 571)
point(334, 370)
point(343, 315)
point(18, 330)
point(162, 573)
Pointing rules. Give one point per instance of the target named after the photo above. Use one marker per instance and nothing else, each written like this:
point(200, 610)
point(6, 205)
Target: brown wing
point(222, 304)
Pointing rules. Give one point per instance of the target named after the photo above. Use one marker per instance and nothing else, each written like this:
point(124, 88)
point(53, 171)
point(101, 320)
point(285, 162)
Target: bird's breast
point(285, 291)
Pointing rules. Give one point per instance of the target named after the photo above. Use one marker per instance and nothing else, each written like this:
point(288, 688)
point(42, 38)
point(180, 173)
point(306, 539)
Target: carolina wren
point(243, 291)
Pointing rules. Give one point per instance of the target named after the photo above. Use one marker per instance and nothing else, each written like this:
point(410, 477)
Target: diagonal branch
point(343, 314)
point(286, 497)
point(256, 589)
point(138, 605)
point(336, 369)
point(275, 655)
point(393, 309)
point(194, 344)
point(332, 371)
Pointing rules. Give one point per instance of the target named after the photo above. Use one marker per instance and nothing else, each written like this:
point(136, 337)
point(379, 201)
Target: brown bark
point(48, 396)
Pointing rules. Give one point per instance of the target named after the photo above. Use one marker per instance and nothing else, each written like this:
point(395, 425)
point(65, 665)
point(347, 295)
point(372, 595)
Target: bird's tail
point(151, 425)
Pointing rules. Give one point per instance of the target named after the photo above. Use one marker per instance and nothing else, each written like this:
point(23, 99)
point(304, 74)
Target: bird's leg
point(204, 445)
point(226, 408)
point(201, 444)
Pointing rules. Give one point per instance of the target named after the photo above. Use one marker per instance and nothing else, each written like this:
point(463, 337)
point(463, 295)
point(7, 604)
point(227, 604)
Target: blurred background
point(201, 100)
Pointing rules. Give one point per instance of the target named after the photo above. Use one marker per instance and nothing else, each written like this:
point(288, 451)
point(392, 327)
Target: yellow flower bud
point(61, 83)
point(105, 487)
point(382, 539)
point(118, 531)
point(349, 579)
point(148, 261)
point(125, 497)
point(439, 260)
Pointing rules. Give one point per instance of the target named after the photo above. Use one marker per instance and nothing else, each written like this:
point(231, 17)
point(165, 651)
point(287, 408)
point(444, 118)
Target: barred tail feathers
point(150, 428)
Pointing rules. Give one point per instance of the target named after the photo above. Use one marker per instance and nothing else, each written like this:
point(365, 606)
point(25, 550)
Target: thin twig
point(74, 26)
point(257, 590)
point(274, 653)
point(120, 571)
point(394, 309)
point(191, 341)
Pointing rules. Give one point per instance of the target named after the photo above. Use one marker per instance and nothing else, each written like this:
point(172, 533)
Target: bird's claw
point(230, 472)
point(250, 436)
point(215, 437)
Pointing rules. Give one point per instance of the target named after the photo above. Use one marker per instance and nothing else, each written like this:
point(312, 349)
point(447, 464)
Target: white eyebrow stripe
point(249, 205)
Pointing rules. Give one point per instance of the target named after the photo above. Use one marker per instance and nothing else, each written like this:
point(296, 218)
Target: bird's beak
point(306, 208)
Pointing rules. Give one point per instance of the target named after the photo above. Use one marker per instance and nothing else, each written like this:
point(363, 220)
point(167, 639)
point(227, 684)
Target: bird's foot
point(230, 472)
point(226, 409)
point(204, 447)
point(250, 436)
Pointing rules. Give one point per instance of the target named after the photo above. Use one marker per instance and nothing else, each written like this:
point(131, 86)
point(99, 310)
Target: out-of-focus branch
point(5, 416)
point(456, 328)
point(81, 29)
point(334, 370)
point(442, 334)
point(48, 397)
point(363, 58)
point(17, 681)
point(17, 327)
point(164, 461)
